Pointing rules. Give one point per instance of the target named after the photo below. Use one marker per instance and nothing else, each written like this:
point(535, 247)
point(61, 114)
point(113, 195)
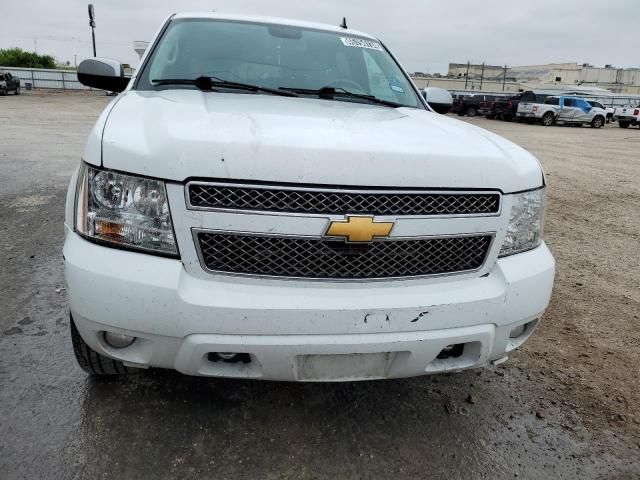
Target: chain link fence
point(46, 78)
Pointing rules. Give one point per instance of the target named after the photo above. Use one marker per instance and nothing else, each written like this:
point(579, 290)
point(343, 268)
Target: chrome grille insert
point(206, 195)
point(295, 257)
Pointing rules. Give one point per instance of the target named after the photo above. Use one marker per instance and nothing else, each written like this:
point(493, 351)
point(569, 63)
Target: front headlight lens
point(524, 231)
point(124, 210)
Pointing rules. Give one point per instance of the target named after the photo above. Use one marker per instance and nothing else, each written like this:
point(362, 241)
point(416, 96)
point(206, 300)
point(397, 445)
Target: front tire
point(3, 91)
point(597, 122)
point(547, 119)
point(91, 361)
point(471, 112)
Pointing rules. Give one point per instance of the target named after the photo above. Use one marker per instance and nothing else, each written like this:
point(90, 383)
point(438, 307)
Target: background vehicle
point(568, 110)
point(476, 104)
point(628, 116)
point(506, 108)
point(9, 83)
point(610, 111)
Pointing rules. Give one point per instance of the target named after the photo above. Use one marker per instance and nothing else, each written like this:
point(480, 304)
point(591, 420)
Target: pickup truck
point(506, 108)
point(275, 199)
point(567, 110)
point(475, 104)
point(628, 116)
point(610, 111)
point(9, 83)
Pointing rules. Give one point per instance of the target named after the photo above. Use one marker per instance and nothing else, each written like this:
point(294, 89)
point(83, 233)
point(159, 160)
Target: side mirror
point(102, 73)
point(438, 99)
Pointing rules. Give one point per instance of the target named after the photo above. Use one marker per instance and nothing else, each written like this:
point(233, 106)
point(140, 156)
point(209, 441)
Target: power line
point(69, 40)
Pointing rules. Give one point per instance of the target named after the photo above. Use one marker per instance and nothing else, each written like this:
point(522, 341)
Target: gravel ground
point(567, 405)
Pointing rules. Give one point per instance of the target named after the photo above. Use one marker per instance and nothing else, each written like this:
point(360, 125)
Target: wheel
point(597, 122)
point(3, 91)
point(623, 124)
point(471, 111)
point(17, 92)
point(91, 361)
point(547, 119)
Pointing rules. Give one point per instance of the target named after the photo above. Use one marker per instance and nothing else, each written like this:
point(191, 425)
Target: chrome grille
point(340, 201)
point(316, 258)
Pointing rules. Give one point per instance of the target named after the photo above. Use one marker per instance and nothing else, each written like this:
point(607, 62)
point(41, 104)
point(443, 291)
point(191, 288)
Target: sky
point(425, 35)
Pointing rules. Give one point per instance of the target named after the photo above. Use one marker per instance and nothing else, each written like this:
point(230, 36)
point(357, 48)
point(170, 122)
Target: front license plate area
point(343, 367)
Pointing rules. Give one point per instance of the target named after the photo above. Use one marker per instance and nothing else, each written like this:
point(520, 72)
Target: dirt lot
point(567, 405)
point(589, 344)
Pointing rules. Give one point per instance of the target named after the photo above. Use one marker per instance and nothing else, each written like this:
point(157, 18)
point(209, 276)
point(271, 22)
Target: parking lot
point(567, 405)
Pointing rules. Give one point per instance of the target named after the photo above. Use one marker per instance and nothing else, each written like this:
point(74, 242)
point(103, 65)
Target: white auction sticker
point(361, 43)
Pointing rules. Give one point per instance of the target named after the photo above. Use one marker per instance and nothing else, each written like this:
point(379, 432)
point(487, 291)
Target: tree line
point(16, 57)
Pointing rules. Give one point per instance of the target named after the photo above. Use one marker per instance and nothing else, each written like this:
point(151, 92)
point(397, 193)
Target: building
point(617, 80)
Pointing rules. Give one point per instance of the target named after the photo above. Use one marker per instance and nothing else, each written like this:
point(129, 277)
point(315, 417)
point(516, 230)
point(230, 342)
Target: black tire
point(91, 361)
point(597, 122)
point(547, 119)
point(3, 91)
point(17, 92)
point(623, 124)
point(472, 111)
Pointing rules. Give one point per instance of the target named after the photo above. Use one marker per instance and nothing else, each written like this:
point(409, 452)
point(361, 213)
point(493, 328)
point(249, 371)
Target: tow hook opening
point(451, 351)
point(229, 357)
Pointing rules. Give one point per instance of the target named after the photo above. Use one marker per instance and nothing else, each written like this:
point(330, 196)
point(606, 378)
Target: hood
point(181, 134)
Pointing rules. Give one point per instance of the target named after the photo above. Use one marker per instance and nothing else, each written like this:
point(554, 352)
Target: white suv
point(273, 199)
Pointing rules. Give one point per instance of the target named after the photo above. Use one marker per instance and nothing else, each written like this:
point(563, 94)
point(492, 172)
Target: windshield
point(276, 56)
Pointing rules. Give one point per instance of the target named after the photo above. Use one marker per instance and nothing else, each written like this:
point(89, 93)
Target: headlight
point(124, 210)
point(525, 223)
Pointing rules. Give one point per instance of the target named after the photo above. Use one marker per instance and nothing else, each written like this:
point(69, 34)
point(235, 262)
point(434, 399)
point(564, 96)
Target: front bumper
point(295, 330)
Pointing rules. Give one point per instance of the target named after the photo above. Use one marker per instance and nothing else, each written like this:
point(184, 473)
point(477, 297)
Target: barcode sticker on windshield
point(361, 43)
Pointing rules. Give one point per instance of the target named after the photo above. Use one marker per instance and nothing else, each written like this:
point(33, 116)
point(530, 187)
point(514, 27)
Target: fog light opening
point(118, 340)
point(229, 357)
point(451, 351)
point(518, 331)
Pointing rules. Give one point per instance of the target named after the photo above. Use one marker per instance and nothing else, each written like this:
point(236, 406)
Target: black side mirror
point(102, 73)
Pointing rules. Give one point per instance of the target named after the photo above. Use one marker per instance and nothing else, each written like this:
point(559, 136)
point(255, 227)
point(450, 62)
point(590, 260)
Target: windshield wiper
point(330, 93)
point(209, 84)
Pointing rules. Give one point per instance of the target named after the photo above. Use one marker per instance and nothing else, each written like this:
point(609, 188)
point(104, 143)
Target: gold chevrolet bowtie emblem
point(359, 229)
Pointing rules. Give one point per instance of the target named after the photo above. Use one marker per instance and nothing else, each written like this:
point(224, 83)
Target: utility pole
point(35, 45)
point(481, 75)
point(75, 60)
point(466, 75)
point(504, 76)
point(92, 24)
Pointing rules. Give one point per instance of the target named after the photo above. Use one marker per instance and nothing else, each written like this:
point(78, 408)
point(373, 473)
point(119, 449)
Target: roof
point(274, 21)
